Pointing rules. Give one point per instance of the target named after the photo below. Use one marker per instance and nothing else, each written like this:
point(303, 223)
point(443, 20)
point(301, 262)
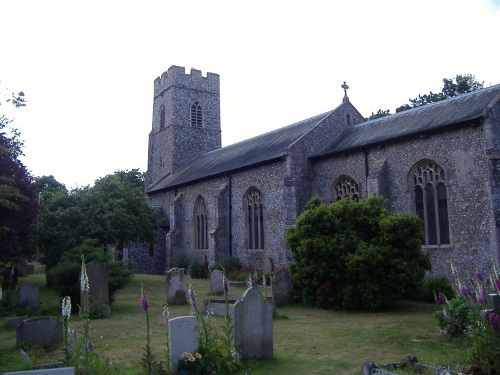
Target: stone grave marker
point(216, 279)
point(28, 296)
point(39, 331)
point(176, 281)
point(48, 371)
point(281, 285)
point(183, 337)
point(99, 288)
point(17, 320)
point(253, 325)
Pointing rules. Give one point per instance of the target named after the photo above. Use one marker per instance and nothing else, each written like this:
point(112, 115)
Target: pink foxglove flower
point(144, 301)
point(225, 284)
point(192, 299)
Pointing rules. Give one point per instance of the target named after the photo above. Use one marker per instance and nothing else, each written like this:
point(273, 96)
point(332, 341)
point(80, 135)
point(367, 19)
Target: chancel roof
point(413, 122)
point(254, 151)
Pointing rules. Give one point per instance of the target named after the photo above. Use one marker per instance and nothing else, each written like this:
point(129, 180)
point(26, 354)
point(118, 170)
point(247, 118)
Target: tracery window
point(162, 117)
point(254, 219)
point(431, 202)
point(196, 115)
point(200, 225)
point(345, 186)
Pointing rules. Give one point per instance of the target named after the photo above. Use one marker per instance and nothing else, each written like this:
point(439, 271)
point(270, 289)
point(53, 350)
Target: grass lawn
point(306, 340)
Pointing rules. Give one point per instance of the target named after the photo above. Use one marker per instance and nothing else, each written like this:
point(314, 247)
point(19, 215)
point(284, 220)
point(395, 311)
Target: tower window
point(196, 118)
point(162, 117)
point(255, 219)
point(200, 225)
point(431, 202)
point(345, 186)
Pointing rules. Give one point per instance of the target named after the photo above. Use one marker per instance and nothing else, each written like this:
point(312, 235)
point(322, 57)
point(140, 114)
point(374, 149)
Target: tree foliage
point(114, 212)
point(355, 255)
point(18, 207)
point(461, 84)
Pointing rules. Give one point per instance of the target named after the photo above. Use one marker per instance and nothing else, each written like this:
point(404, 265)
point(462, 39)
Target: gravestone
point(17, 320)
point(99, 288)
point(281, 285)
point(494, 302)
point(28, 296)
point(39, 331)
point(176, 281)
point(48, 371)
point(216, 282)
point(183, 337)
point(253, 325)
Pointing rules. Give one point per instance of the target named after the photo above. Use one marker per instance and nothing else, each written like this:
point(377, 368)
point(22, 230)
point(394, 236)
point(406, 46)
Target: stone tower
point(186, 120)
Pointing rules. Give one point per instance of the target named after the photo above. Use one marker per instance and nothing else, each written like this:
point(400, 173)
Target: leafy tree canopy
point(18, 206)
point(113, 212)
point(451, 88)
point(355, 255)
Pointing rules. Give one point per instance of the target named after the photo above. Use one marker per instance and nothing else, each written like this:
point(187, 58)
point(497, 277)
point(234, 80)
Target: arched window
point(431, 202)
point(196, 115)
point(162, 117)
point(345, 186)
point(200, 225)
point(254, 219)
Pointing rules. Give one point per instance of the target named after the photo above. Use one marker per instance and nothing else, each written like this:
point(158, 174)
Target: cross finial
point(345, 87)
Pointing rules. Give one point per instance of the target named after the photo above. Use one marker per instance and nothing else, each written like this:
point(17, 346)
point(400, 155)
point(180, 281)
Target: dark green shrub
point(433, 285)
point(232, 268)
point(355, 255)
point(197, 269)
point(181, 261)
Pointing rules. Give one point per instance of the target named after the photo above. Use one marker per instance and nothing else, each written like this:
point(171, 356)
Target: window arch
point(345, 186)
point(254, 219)
point(196, 115)
point(200, 225)
point(162, 117)
point(431, 202)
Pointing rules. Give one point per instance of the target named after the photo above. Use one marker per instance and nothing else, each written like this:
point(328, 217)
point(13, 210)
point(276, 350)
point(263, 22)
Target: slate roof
point(251, 152)
point(417, 121)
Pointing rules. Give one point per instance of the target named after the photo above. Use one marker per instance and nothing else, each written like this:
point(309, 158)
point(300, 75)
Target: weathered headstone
point(218, 306)
point(48, 371)
point(17, 320)
point(216, 280)
point(182, 336)
point(253, 325)
point(175, 281)
point(39, 331)
point(99, 288)
point(28, 296)
point(494, 302)
point(281, 285)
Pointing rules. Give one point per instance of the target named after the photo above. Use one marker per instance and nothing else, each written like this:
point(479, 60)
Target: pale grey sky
point(87, 68)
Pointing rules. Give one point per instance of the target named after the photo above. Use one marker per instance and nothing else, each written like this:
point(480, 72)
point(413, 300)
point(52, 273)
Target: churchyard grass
point(306, 340)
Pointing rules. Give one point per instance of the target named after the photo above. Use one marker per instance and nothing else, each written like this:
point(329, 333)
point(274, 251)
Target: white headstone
point(216, 279)
point(183, 337)
point(176, 281)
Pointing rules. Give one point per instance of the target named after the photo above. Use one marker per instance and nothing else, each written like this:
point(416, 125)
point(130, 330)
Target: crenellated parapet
point(176, 76)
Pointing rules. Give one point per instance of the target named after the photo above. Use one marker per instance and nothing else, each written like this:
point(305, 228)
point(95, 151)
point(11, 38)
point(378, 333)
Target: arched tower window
point(431, 202)
point(254, 219)
point(162, 117)
point(196, 115)
point(200, 225)
point(345, 186)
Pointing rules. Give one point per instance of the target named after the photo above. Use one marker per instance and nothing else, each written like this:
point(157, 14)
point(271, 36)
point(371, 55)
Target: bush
point(433, 285)
point(192, 265)
point(355, 255)
point(456, 318)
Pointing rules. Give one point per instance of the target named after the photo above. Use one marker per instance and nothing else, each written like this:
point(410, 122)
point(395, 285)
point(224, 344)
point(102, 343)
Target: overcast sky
point(87, 68)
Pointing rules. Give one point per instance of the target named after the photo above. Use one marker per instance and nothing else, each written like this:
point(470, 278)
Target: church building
point(440, 161)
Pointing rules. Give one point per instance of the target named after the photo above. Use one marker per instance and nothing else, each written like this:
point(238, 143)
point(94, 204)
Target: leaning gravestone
point(183, 337)
point(176, 281)
point(253, 325)
point(48, 371)
point(99, 288)
point(281, 285)
point(216, 282)
point(39, 331)
point(28, 295)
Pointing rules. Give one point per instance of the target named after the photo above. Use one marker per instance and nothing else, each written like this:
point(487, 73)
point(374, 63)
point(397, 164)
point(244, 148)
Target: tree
point(462, 84)
point(18, 206)
point(355, 255)
point(114, 212)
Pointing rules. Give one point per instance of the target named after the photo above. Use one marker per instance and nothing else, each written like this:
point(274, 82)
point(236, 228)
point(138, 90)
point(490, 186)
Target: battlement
point(176, 76)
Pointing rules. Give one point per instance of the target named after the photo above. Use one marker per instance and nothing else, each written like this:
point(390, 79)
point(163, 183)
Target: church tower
point(186, 120)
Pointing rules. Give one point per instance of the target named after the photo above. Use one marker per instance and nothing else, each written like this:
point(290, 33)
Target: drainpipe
point(230, 218)
point(365, 153)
